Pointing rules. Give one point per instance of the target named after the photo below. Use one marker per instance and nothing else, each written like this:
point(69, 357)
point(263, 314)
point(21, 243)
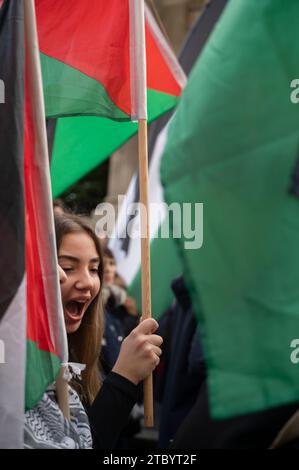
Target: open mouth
point(75, 310)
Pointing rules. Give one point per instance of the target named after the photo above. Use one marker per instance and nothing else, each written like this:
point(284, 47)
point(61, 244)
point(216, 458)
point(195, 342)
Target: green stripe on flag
point(82, 143)
point(69, 92)
point(41, 371)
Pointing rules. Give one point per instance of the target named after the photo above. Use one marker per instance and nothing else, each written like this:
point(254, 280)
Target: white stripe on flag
point(12, 372)
point(138, 60)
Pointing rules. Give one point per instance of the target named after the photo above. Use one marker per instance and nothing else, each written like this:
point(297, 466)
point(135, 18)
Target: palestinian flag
point(165, 261)
point(91, 67)
point(46, 336)
point(233, 147)
point(30, 295)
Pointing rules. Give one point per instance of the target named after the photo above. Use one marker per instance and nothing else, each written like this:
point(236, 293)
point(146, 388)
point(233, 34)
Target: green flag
point(233, 145)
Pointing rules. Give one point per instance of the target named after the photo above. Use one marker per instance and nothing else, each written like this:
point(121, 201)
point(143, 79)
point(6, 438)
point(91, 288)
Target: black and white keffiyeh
point(47, 428)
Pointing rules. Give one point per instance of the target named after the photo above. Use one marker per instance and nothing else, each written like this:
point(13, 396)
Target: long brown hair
point(85, 343)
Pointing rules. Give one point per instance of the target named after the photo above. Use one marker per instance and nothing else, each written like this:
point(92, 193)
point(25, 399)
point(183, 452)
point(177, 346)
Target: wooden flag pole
point(139, 113)
point(38, 113)
point(145, 257)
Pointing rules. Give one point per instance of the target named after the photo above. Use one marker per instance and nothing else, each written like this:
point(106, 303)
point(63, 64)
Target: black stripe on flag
point(12, 256)
point(51, 129)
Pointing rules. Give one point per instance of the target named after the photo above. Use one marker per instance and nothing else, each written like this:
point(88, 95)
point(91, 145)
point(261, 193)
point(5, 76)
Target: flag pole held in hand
point(145, 259)
point(139, 113)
